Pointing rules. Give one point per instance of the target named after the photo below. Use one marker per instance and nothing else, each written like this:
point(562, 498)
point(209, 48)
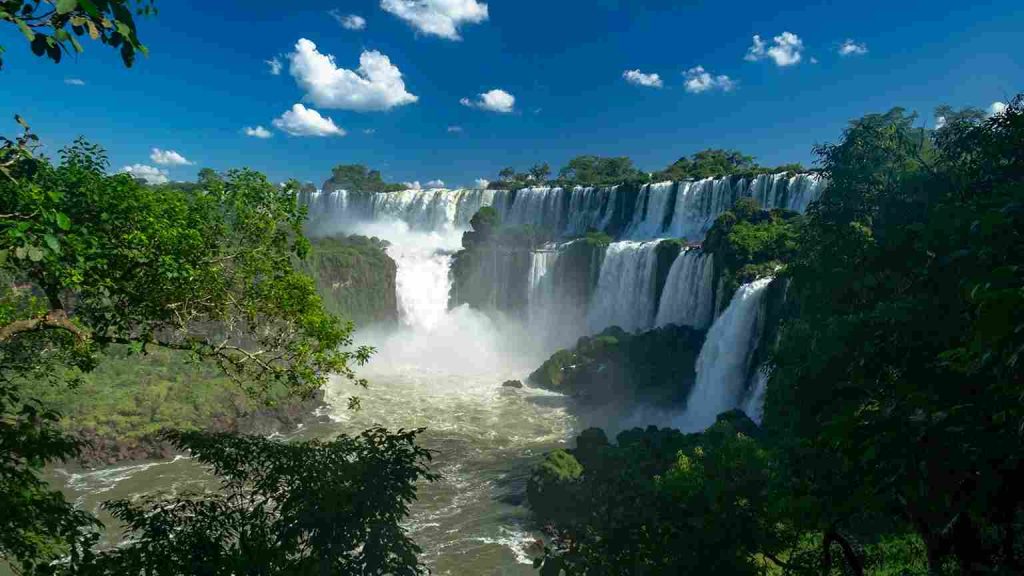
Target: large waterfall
point(680, 210)
point(724, 362)
point(625, 295)
point(688, 297)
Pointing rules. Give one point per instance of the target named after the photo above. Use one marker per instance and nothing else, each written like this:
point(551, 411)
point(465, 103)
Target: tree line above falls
point(584, 170)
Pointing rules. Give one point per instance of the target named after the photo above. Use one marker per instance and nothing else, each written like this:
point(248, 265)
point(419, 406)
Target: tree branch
point(57, 319)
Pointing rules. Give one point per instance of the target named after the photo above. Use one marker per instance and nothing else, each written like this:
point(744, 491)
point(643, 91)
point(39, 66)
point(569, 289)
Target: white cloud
point(275, 65)
point(74, 81)
point(369, 131)
point(940, 122)
point(996, 108)
point(302, 121)
point(414, 185)
point(437, 17)
point(494, 100)
point(257, 132)
point(376, 85)
point(168, 158)
point(700, 80)
point(482, 183)
point(851, 48)
point(435, 184)
point(150, 174)
point(786, 49)
point(454, 129)
point(640, 79)
point(348, 21)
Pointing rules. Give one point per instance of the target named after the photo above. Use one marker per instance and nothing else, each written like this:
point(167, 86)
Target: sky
point(453, 90)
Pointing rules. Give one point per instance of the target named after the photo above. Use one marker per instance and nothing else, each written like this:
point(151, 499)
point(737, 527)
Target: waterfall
point(787, 192)
point(421, 283)
point(432, 210)
point(653, 206)
point(753, 406)
point(724, 361)
point(542, 207)
point(698, 204)
point(688, 298)
point(625, 295)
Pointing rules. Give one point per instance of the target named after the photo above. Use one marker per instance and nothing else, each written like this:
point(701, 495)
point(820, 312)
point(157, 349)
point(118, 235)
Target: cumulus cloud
point(414, 185)
point(257, 132)
point(437, 17)
point(700, 80)
point(482, 183)
point(996, 108)
point(851, 48)
point(640, 79)
point(348, 21)
point(493, 100)
point(376, 85)
point(435, 184)
point(786, 49)
point(302, 121)
point(454, 129)
point(275, 65)
point(168, 158)
point(74, 81)
point(150, 174)
point(369, 131)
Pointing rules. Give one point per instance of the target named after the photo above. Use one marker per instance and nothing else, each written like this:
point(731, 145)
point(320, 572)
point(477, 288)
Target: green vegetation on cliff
point(748, 243)
point(891, 441)
point(615, 366)
point(717, 164)
point(355, 277)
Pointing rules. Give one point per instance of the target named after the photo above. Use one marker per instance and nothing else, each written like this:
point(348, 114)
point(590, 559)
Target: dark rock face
point(658, 366)
point(512, 384)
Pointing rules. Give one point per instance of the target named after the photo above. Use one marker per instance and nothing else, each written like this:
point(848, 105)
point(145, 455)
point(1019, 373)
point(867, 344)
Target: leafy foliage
point(302, 508)
point(599, 171)
point(359, 178)
point(53, 27)
point(717, 163)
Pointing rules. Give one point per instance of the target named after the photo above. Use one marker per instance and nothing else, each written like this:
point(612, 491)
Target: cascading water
point(688, 297)
point(653, 206)
point(753, 405)
point(724, 361)
point(625, 295)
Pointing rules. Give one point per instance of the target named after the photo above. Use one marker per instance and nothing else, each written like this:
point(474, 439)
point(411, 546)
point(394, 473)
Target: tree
point(507, 174)
point(92, 260)
point(540, 172)
point(598, 171)
point(46, 24)
point(313, 507)
point(359, 178)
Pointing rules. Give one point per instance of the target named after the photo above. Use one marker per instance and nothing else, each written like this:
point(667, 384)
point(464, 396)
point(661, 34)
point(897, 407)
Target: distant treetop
point(359, 178)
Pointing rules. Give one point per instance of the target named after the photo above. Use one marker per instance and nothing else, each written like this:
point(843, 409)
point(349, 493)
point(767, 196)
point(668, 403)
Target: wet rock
point(512, 384)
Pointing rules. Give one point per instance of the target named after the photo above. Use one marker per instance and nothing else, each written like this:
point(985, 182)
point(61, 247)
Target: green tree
point(93, 260)
point(53, 27)
point(313, 507)
point(598, 171)
point(540, 172)
point(359, 178)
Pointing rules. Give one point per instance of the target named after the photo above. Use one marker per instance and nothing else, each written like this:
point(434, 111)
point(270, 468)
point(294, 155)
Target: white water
point(653, 205)
point(625, 294)
point(724, 359)
point(753, 405)
point(688, 298)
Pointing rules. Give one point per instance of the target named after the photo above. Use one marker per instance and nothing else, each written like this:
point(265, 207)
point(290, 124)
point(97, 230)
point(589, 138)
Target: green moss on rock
point(355, 277)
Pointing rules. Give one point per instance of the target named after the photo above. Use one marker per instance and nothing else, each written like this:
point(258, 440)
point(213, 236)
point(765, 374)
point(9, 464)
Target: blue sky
point(206, 79)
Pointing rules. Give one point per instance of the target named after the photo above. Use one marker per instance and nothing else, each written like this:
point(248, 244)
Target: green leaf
point(35, 254)
point(65, 6)
point(63, 221)
point(20, 252)
point(52, 242)
point(90, 8)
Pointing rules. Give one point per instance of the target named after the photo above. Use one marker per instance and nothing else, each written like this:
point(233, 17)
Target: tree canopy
point(53, 27)
point(359, 178)
point(600, 171)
